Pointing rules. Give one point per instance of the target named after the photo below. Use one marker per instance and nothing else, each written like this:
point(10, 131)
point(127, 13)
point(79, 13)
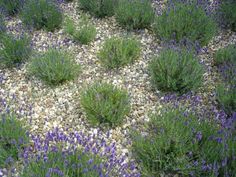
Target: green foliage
point(54, 67)
point(134, 14)
point(117, 52)
point(176, 71)
point(86, 32)
point(13, 137)
point(11, 6)
point(225, 60)
point(99, 8)
point(42, 14)
point(105, 103)
point(179, 143)
point(2, 25)
point(63, 162)
point(226, 97)
point(228, 11)
point(69, 26)
point(14, 50)
point(225, 55)
point(184, 20)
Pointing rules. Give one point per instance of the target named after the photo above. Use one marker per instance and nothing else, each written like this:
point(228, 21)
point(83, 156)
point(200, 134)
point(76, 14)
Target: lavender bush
point(226, 55)
point(2, 25)
point(75, 154)
point(228, 13)
point(13, 138)
point(178, 142)
point(118, 52)
point(176, 71)
point(54, 67)
point(225, 60)
point(105, 103)
point(134, 14)
point(15, 49)
point(42, 14)
point(226, 97)
point(99, 8)
point(86, 32)
point(12, 6)
point(185, 20)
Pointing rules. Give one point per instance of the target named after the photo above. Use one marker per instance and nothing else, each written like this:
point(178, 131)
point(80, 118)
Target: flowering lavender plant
point(74, 154)
point(178, 142)
point(13, 138)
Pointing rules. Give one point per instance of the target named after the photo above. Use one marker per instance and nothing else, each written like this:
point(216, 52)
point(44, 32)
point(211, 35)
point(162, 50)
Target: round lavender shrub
point(134, 14)
point(228, 13)
point(225, 60)
point(226, 97)
point(11, 6)
point(74, 154)
point(99, 8)
point(105, 103)
point(176, 71)
point(185, 20)
point(225, 55)
point(54, 67)
point(14, 50)
point(42, 14)
point(118, 52)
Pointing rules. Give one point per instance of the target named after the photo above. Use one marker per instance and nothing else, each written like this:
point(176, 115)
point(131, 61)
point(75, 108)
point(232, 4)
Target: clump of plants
point(2, 25)
point(42, 14)
point(179, 143)
point(225, 60)
point(86, 32)
point(225, 55)
point(11, 6)
point(75, 154)
point(226, 97)
point(228, 13)
point(13, 139)
point(99, 8)
point(53, 163)
point(14, 50)
point(185, 21)
point(134, 14)
point(117, 52)
point(54, 67)
point(176, 71)
point(105, 103)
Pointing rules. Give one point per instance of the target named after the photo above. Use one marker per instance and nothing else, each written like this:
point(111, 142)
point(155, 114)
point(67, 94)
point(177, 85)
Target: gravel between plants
point(52, 107)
